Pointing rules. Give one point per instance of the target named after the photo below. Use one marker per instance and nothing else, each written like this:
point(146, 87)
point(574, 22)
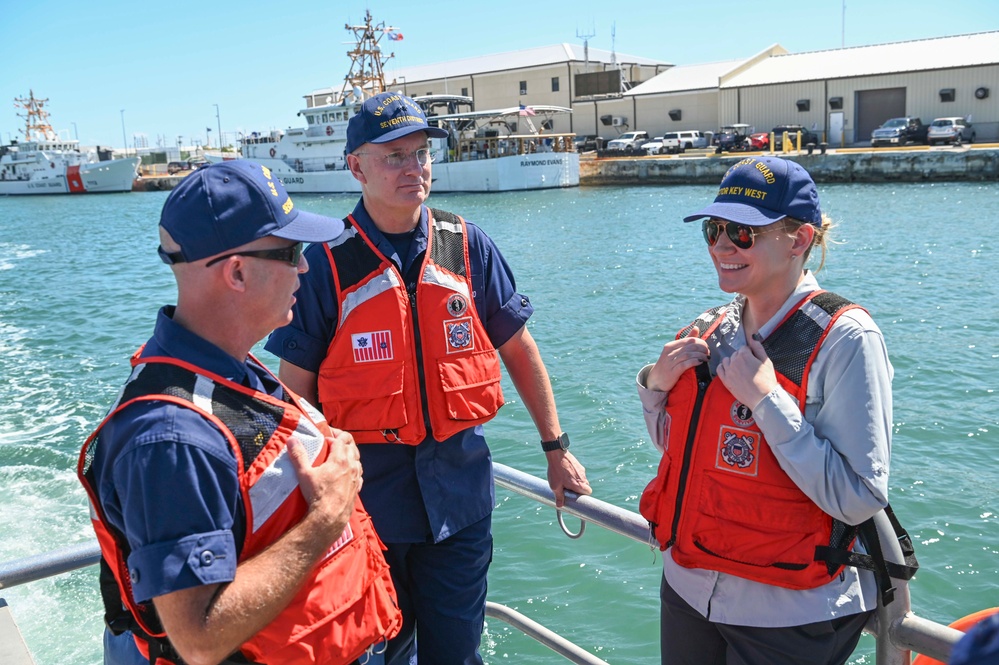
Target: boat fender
point(964, 624)
point(273, 152)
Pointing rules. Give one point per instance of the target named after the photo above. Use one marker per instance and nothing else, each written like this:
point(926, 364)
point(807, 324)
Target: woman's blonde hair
point(821, 238)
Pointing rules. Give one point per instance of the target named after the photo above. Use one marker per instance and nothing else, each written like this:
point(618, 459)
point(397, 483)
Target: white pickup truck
point(629, 140)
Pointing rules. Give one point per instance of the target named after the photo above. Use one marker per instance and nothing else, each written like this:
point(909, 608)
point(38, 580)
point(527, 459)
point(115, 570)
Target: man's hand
point(566, 473)
point(330, 489)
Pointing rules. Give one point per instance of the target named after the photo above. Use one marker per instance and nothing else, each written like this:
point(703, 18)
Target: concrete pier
point(912, 164)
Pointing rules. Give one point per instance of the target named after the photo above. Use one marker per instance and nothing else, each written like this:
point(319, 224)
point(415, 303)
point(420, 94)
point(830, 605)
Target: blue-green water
point(613, 273)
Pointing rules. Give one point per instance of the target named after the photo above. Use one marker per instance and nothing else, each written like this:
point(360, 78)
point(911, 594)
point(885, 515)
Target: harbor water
point(613, 273)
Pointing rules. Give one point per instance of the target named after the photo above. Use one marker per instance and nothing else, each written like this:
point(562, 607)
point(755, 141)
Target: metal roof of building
point(686, 77)
point(918, 55)
point(497, 62)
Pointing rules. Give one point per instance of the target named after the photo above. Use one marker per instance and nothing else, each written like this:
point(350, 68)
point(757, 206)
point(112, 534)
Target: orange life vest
point(720, 499)
point(368, 383)
point(346, 604)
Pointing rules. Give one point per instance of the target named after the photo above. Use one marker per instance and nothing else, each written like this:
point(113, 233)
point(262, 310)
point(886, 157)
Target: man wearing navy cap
point(226, 508)
point(397, 333)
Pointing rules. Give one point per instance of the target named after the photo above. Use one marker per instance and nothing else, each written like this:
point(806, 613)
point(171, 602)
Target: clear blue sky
point(167, 63)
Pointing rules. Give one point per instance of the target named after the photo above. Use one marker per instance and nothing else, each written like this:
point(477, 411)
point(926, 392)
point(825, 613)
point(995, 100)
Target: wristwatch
point(561, 443)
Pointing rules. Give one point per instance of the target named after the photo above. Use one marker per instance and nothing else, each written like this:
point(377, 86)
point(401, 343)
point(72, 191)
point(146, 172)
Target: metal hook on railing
point(565, 530)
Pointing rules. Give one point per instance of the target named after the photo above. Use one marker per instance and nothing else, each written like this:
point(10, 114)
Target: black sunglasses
point(742, 236)
point(290, 255)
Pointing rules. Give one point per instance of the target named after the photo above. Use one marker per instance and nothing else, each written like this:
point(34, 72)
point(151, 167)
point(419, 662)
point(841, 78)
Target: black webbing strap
point(875, 560)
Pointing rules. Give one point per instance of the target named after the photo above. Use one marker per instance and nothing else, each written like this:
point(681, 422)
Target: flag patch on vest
point(345, 537)
point(737, 451)
point(372, 346)
point(458, 333)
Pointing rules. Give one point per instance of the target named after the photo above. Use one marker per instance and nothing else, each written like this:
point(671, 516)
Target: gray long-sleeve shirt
point(837, 453)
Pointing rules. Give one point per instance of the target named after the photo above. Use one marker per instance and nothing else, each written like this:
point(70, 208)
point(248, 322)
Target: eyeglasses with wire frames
point(399, 158)
point(741, 235)
point(291, 255)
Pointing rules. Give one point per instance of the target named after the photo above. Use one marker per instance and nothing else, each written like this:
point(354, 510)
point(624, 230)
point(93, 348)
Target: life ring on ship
point(273, 152)
point(963, 624)
point(329, 130)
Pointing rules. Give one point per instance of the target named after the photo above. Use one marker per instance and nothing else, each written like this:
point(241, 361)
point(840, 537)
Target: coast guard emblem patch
point(741, 414)
point(456, 304)
point(458, 334)
point(737, 451)
point(372, 346)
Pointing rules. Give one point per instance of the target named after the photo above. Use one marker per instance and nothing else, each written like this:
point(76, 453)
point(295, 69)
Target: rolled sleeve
point(198, 559)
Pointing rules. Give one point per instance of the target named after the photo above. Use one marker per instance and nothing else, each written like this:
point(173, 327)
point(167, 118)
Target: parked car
point(899, 131)
point(732, 137)
point(629, 140)
point(807, 136)
point(687, 139)
point(653, 147)
point(174, 168)
point(759, 141)
point(587, 142)
point(950, 130)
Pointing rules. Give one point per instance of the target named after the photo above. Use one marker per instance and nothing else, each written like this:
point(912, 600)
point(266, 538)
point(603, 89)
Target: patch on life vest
point(458, 334)
point(456, 304)
point(742, 415)
point(372, 346)
point(737, 451)
point(345, 537)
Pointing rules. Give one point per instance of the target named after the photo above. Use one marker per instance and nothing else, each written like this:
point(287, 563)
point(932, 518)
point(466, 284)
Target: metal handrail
point(896, 629)
point(549, 638)
point(903, 632)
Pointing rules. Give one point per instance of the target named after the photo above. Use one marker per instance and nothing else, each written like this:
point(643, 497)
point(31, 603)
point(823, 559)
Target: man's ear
point(234, 273)
point(354, 164)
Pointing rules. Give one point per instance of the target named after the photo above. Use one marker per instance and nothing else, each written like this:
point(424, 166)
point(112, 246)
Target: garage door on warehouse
point(876, 106)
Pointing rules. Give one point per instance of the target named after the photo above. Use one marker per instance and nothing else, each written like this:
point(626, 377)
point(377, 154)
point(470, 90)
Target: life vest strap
point(875, 560)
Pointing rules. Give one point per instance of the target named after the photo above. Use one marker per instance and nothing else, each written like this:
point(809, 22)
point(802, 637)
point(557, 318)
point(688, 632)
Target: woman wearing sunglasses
point(774, 416)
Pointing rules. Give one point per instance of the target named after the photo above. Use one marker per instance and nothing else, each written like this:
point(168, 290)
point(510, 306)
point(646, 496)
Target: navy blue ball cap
point(386, 117)
point(762, 190)
point(229, 204)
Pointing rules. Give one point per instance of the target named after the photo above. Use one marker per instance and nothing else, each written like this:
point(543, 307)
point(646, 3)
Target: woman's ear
point(803, 237)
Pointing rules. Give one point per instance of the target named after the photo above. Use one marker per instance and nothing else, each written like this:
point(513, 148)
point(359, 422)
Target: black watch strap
point(561, 443)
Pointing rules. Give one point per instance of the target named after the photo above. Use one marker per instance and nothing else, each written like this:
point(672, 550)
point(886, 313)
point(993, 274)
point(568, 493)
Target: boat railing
point(896, 629)
point(491, 147)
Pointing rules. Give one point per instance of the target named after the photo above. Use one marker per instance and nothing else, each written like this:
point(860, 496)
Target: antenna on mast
point(586, 46)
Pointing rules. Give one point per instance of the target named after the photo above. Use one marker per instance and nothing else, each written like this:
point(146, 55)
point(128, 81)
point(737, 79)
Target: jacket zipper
point(703, 379)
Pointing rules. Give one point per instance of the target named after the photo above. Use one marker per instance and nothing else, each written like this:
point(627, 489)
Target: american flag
point(395, 36)
point(526, 110)
point(372, 346)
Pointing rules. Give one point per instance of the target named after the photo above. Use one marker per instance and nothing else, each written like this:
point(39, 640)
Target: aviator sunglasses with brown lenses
point(741, 235)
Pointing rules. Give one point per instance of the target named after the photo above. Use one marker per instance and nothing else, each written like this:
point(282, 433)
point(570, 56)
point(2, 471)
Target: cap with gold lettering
point(762, 190)
point(229, 204)
point(386, 117)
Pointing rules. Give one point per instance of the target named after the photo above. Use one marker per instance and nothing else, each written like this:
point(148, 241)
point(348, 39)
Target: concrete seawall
point(862, 165)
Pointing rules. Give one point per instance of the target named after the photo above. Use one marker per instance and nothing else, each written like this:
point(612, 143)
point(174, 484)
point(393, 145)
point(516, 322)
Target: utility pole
point(842, 39)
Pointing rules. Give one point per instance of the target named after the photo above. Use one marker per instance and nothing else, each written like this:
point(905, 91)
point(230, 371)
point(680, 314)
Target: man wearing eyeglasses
point(397, 333)
point(225, 506)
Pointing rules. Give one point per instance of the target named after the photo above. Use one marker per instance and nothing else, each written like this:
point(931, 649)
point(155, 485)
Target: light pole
point(123, 139)
point(219, 120)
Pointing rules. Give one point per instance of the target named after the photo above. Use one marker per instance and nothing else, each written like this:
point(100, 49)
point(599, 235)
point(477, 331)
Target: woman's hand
point(677, 357)
point(748, 374)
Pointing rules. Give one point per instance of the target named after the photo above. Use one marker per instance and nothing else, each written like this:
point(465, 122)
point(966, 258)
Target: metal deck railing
point(896, 629)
